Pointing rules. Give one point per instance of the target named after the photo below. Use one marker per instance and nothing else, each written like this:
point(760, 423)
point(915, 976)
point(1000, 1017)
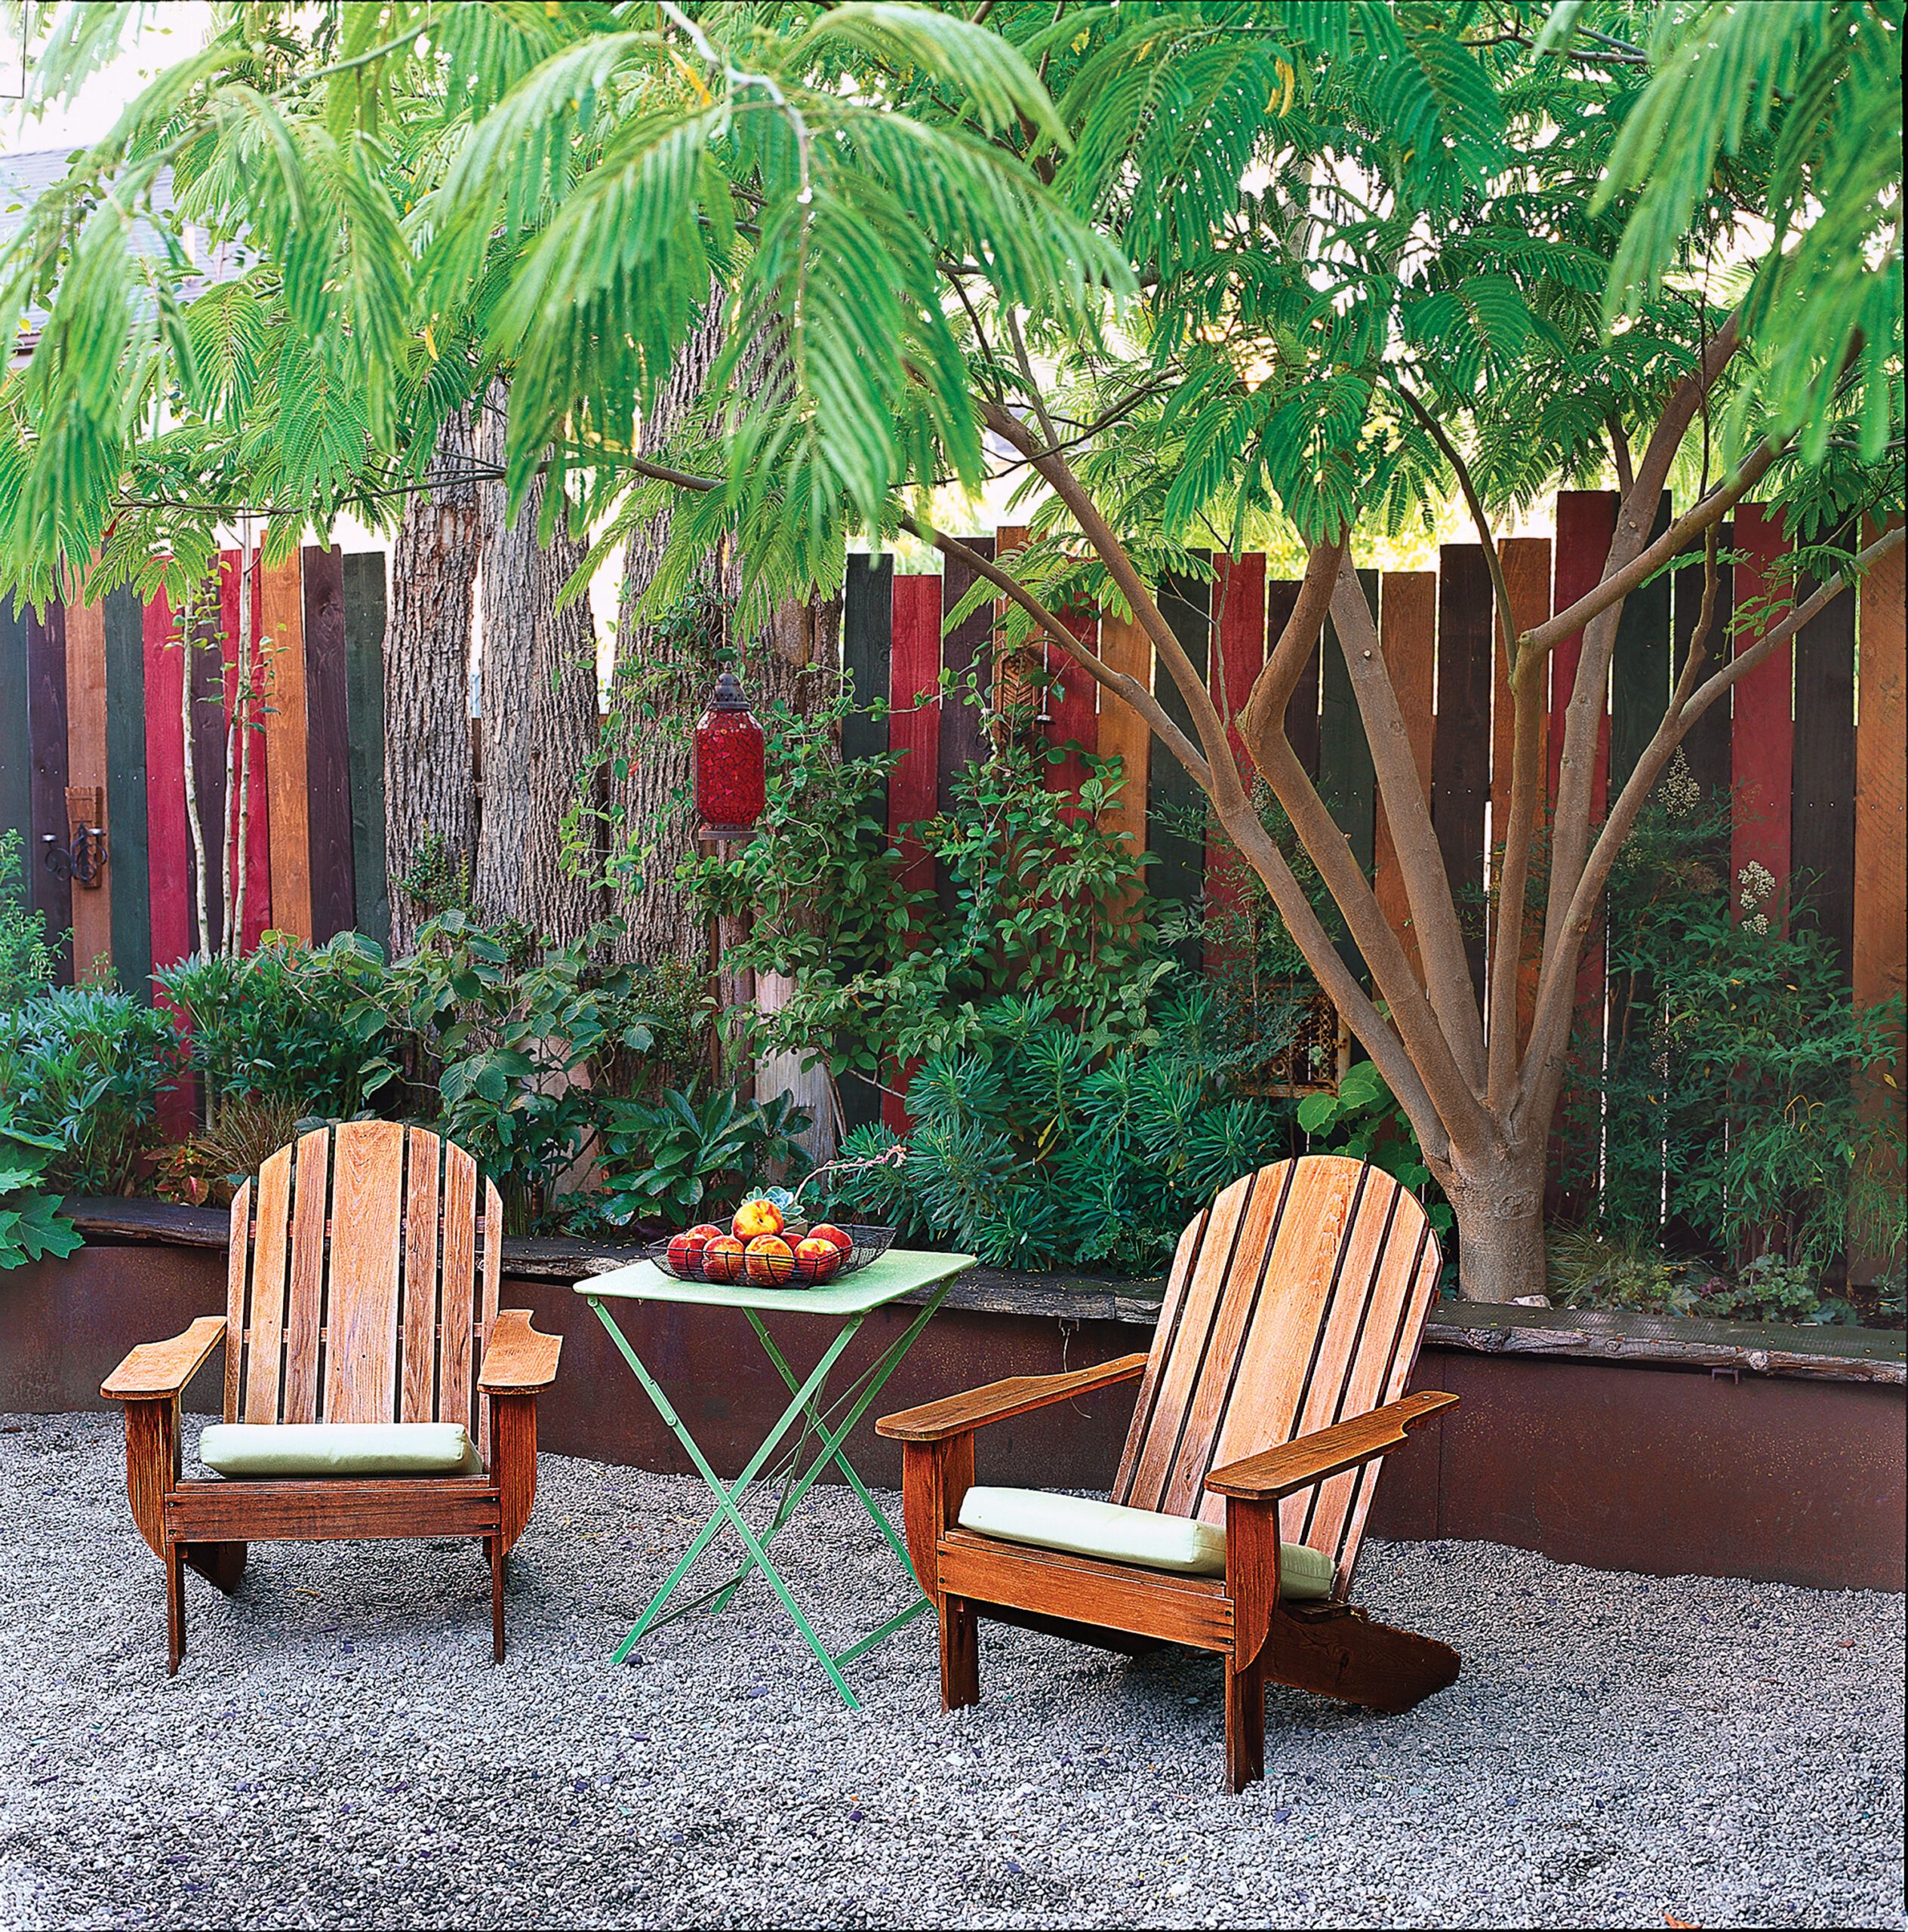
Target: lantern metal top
point(729, 695)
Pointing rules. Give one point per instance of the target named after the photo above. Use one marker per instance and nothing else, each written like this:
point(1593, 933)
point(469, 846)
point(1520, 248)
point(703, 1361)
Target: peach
point(722, 1259)
point(820, 1259)
point(756, 1218)
point(769, 1260)
point(829, 1231)
point(685, 1249)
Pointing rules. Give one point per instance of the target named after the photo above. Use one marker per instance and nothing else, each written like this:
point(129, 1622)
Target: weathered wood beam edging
point(1831, 1354)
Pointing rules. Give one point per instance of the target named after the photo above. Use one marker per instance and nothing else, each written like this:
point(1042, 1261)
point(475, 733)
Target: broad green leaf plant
point(1190, 273)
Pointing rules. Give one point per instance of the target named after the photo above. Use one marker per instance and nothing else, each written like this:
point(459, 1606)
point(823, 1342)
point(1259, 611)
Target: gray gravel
point(338, 1751)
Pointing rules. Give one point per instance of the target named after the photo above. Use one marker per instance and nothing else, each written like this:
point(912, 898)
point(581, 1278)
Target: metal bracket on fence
point(82, 861)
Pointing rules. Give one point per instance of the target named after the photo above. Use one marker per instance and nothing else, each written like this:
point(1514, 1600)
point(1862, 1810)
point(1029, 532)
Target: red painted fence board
point(168, 839)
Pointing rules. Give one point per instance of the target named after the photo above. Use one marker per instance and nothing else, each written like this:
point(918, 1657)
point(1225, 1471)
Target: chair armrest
point(163, 1368)
point(518, 1361)
point(1272, 1473)
point(960, 1415)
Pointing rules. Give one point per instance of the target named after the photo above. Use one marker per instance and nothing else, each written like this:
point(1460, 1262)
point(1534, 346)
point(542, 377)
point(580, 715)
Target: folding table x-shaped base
point(896, 1273)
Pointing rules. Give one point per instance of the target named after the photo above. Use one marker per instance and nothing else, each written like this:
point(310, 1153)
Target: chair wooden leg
point(222, 1564)
point(1245, 1725)
point(496, 1598)
point(960, 1654)
point(175, 1608)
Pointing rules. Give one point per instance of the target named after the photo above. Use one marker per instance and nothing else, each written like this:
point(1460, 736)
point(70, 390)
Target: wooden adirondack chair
point(361, 1287)
point(1290, 1325)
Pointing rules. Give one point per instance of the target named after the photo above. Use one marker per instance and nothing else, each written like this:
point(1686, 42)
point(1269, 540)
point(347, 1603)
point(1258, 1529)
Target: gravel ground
point(338, 1751)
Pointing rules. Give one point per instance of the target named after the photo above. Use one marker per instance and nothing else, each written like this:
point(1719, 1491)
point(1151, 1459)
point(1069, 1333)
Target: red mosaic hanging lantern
point(731, 763)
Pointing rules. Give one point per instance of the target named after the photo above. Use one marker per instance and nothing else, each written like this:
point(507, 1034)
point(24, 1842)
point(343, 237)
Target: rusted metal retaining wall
point(1565, 1442)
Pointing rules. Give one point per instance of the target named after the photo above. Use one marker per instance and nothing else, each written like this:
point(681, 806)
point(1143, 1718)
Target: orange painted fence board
point(286, 761)
point(1880, 963)
point(86, 774)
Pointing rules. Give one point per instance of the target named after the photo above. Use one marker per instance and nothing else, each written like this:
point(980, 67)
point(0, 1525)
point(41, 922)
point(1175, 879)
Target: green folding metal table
point(848, 1303)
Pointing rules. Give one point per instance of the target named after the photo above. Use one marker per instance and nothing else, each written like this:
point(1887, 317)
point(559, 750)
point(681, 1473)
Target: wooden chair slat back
point(360, 1288)
point(1296, 1300)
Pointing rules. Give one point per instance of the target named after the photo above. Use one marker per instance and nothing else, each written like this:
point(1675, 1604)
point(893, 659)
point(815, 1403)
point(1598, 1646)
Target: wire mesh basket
point(777, 1267)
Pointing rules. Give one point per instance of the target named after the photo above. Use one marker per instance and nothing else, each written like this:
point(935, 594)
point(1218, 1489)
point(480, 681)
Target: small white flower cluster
point(1680, 793)
point(1757, 887)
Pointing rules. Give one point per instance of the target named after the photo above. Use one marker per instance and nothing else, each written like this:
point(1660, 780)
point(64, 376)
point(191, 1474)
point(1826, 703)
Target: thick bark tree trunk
point(430, 787)
point(538, 706)
point(1499, 1206)
point(662, 672)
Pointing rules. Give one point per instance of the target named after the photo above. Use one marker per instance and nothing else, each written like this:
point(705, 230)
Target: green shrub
point(680, 1160)
point(85, 1067)
point(30, 1224)
point(297, 1025)
point(1729, 1115)
point(26, 961)
point(512, 1053)
point(1035, 891)
point(1032, 1150)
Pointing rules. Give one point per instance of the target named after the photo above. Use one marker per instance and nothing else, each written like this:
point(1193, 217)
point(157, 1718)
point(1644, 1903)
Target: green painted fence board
point(364, 650)
point(125, 791)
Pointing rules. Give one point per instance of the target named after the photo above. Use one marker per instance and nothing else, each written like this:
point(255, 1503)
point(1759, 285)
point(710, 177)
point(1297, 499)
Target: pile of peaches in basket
point(761, 1244)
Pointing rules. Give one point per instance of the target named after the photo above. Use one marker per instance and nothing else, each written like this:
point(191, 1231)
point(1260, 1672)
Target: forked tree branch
point(1421, 863)
point(1543, 1072)
point(1387, 1049)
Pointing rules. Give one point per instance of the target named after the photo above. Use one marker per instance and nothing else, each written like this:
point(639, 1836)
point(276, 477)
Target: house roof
point(24, 178)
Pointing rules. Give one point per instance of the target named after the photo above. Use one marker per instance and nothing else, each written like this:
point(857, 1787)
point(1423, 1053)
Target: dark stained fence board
point(1762, 729)
point(125, 782)
point(1175, 805)
point(965, 658)
point(1639, 667)
point(328, 768)
point(1345, 775)
point(1461, 752)
point(1346, 783)
point(1409, 637)
point(1302, 708)
point(363, 657)
point(16, 749)
point(1238, 625)
point(1706, 745)
point(867, 642)
point(1822, 824)
point(207, 667)
point(46, 736)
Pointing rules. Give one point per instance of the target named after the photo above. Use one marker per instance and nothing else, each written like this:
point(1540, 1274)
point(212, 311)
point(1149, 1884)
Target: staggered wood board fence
point(105, 715)
point(1810, 750)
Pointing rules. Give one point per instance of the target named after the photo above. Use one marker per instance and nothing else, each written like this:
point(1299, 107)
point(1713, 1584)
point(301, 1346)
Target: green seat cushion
point(338, 1449)
point(1083, 1528)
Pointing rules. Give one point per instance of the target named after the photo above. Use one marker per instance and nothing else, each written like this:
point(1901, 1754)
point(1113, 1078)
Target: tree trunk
point(662, 671)
point(1498, 1204)
point(538, 709)
point(430, 790)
